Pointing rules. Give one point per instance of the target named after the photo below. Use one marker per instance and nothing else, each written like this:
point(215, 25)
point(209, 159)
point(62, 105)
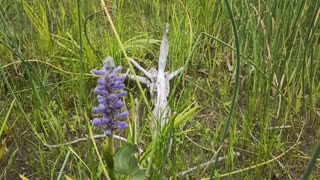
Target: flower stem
point(111, 150)
point(108, 155)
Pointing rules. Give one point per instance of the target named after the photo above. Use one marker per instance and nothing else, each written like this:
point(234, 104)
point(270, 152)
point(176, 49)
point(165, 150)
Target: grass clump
point(46, 91)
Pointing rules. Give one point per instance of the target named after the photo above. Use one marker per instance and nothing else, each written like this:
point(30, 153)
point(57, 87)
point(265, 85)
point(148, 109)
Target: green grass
point(47, 49)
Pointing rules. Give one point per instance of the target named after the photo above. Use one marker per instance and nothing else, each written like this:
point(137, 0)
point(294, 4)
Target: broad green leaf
point(139, 174)
point(23, 177)
point(227, 104)
point(185, 115)
point(67, 177)
point(126, 162)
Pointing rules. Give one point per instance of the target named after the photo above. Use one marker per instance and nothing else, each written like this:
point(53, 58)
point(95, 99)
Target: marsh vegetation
point(47, 49)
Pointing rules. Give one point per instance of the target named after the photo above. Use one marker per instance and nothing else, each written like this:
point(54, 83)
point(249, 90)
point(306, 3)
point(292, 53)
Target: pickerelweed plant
point(110, 92)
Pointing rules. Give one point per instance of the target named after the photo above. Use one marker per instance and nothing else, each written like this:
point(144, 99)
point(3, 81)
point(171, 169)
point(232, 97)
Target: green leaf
point(227, 104)
point(139, 174)
point(185, 115)
point(126, 162)
point(22, 177)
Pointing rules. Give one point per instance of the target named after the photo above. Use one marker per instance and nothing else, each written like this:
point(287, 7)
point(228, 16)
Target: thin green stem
point(311, 163)
point(125, 53)
point(236, 88)
point(82, 61)
point(110, 141)
point(86, 31)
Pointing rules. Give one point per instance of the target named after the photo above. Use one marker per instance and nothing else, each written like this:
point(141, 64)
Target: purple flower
point(110, 91)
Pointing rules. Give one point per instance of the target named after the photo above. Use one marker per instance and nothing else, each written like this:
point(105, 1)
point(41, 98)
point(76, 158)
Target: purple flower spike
point(123, 115)
point(100, 109)
point(121, 94)
point(117, 69)
point(122, 125)
point(98, 72)
point(96, 122)
point(119, 104)
point(108, 132)
point(110, 93)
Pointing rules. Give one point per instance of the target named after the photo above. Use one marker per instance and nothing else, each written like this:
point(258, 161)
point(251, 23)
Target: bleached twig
point(164, 51)
point(183, 173)
point(175, 73)
point(161, 108)
point(158, 82)
point(280, 127)
point(142, 80)
point(86, 138)
point(145, 72)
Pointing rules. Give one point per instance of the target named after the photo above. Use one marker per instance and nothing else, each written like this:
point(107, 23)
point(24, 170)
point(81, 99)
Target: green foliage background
point(47, 49)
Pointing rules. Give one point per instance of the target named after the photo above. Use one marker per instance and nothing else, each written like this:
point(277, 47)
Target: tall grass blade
point(236, 86)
